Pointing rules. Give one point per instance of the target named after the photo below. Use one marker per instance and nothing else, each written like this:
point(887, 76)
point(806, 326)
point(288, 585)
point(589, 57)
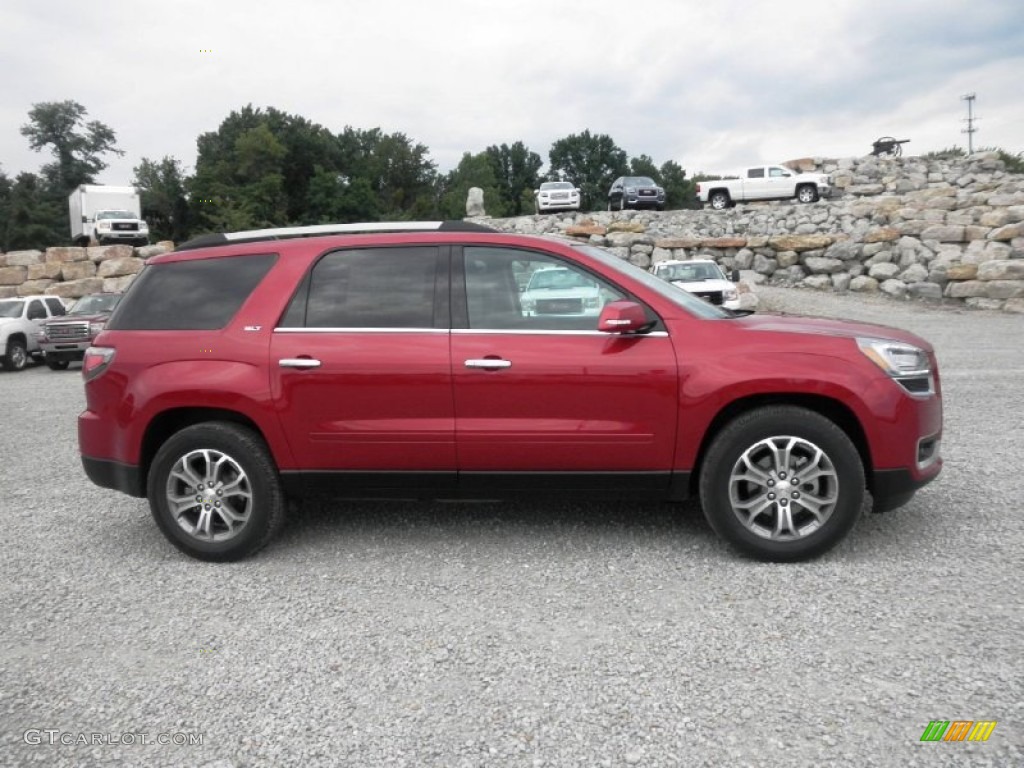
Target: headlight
point(631, 190)
point(731, 295)
point(95, 328)
point(528, 305)
point(907, 364)
point(591, 302)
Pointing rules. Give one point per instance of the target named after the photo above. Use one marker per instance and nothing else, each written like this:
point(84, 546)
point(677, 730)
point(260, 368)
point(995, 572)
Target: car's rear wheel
point(17, 356)
point(719, 200)
point(808, 193)
point(215, 492)
point(782, 483)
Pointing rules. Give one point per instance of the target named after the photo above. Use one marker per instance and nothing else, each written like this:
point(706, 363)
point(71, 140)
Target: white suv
point(703, 278)
point(557, 196)
point(20, 321)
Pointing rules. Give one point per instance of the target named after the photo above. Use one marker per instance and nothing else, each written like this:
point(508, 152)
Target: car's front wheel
point(17, 356)
point(782, 483)
point(808, 193)
point(215, 492)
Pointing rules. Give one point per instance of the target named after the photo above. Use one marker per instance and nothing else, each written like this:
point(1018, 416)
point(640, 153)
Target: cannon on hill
point(887, 146)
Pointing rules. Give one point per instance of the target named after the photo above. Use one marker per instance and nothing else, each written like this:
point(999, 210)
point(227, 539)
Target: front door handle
point(490, 363)
point(298, 362)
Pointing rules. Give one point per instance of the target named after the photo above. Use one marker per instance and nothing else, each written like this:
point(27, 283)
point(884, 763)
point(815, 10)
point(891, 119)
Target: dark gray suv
point(635, 192)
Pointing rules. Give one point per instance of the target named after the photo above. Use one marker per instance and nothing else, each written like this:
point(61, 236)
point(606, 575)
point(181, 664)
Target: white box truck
point(107, 215)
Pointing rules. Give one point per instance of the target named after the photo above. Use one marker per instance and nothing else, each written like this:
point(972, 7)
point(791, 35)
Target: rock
point(23, 258)
point(628, 226)
point(764, 265)
point(724, 242)
point(850, 251)
point(8, 291)
point(944, 233)
point(1008, 232)
point(30, 287)
point(640, 259)
point(1010, 269)
point(1005, 289)
point(965, 289)
point(981, 303)
point(929, 291)
point(67, 254)
point(818, 265)
point(744, 259)
point(962, 272)
point(997, 218)
point(119, 267)
point(577, 230)
point(884, 271)
point(865, 189)
point(799, 242)
point(117, 284)
point(99, 253)
point(627, 239)
point(148, 251)
point(749, 301)
point(882, 235)
point(661, 254)
point(48, 270)
point(818, 282)
point(77, 270)
point(677, 242)
point(475, 202)
point(1014, 305)
point(841, 282)
point(895, 288)
point(76, 289)
point(915, 273)
point(787, 259)
point(13, 275)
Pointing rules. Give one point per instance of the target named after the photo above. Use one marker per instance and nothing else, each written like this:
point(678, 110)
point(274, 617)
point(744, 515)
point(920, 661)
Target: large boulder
point(66, 254)
point(475, 202)
point(76, 289)
point(23, 258)
point(119, 267)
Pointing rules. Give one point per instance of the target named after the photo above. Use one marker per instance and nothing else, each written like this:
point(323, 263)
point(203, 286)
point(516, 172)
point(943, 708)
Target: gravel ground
point(521, 635)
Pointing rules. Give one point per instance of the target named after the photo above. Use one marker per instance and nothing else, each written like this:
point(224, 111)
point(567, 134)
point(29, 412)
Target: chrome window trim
point(539, 332)
point(361, 330)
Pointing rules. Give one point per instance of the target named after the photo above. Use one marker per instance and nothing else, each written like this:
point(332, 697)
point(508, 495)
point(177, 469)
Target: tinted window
point(371, 288)
point(36, 310)
point(511, 289)
point(198, 295)
point(755, 173)
point(56, 306)
point(777, 172)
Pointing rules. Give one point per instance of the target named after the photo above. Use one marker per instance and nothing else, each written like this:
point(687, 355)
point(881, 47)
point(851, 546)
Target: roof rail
point(283, 233)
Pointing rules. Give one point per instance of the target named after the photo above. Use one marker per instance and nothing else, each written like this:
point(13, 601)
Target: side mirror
point(536, 191)
point(622, 317)
point(734, 276)
point(85, 219)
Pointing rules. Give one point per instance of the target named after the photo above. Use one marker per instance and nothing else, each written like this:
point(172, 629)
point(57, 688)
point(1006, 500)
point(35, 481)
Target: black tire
point(719, 200)
point(622, 203)
point(17, 356)
point(742, 450)
point(243, 463)
point(807, 193)
point(57, 365)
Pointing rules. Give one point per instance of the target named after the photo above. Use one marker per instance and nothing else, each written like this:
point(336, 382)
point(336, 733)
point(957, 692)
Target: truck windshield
point(11, 308)
point(94, 305)
point(115, 215)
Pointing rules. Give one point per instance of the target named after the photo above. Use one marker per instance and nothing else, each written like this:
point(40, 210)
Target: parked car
point(20, 319)
point(765, 182)
point(556, 196)
point(703, 278)
point(635, 192)
point(401, 360)
point(65, 339)
point(561, 291)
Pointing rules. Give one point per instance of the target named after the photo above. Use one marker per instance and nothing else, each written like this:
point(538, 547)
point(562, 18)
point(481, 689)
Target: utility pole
point(970, 129)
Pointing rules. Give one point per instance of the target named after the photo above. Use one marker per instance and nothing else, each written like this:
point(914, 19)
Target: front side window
point(193, 295)
point(369, 288)
point(512, 289)
point(778, 172)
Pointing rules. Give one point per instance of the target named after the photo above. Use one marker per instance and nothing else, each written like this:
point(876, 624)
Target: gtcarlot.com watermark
point(52, 737)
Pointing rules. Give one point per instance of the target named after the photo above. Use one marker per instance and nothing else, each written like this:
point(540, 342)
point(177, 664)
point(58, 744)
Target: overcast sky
point(712, 85)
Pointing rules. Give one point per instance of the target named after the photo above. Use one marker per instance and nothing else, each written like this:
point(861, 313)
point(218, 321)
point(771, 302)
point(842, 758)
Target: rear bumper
point(125, 478)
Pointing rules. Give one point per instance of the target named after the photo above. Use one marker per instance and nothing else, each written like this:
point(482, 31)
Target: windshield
point(687, 301)
point(94, 305)
point(556, 185)
point(115, 215)
point(555, 279)
point(689, 273)
point(11, 308)
point(640, 181)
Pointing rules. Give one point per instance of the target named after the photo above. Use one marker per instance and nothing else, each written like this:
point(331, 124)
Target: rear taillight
point(96, 361)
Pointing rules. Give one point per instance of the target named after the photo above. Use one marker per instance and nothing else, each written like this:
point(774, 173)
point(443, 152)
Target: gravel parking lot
point(413, 634)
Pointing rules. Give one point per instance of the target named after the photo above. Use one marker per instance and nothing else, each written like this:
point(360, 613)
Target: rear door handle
point(298, 362)
point(488, 363)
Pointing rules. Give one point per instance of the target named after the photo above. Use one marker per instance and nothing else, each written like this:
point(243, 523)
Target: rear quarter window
point(200, 295)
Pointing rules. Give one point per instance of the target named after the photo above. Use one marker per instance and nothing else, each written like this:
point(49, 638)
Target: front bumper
point(558, 205)
point(64, 350)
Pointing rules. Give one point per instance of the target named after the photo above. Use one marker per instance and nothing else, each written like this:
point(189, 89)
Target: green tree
point(399, 172)
point(680, 192)
point(76, 145)
point(33, 219)
point(335, 198)
point(472, 171)
point(517, 172)
point(644, 166)
point(591, 162)
point(165, 205)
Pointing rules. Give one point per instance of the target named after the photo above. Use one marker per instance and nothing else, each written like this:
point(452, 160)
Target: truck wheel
point(808, 193)
point(215, 492)
point(719, 200)
point(782, 483)
point(57, 365)
point(17, 357)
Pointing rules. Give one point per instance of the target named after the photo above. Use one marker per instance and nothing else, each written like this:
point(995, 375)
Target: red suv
point(248, 368)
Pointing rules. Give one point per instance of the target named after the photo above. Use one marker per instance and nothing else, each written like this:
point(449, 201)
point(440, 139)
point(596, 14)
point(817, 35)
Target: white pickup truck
point(764, 182)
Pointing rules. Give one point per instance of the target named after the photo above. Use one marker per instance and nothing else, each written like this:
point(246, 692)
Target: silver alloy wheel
point(17, 355)
point(806, 194)
point(209, 495)
point(783, 488)
point(719, 201)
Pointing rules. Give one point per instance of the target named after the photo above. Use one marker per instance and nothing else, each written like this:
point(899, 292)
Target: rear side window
point(200, 295)
point(391, 287)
